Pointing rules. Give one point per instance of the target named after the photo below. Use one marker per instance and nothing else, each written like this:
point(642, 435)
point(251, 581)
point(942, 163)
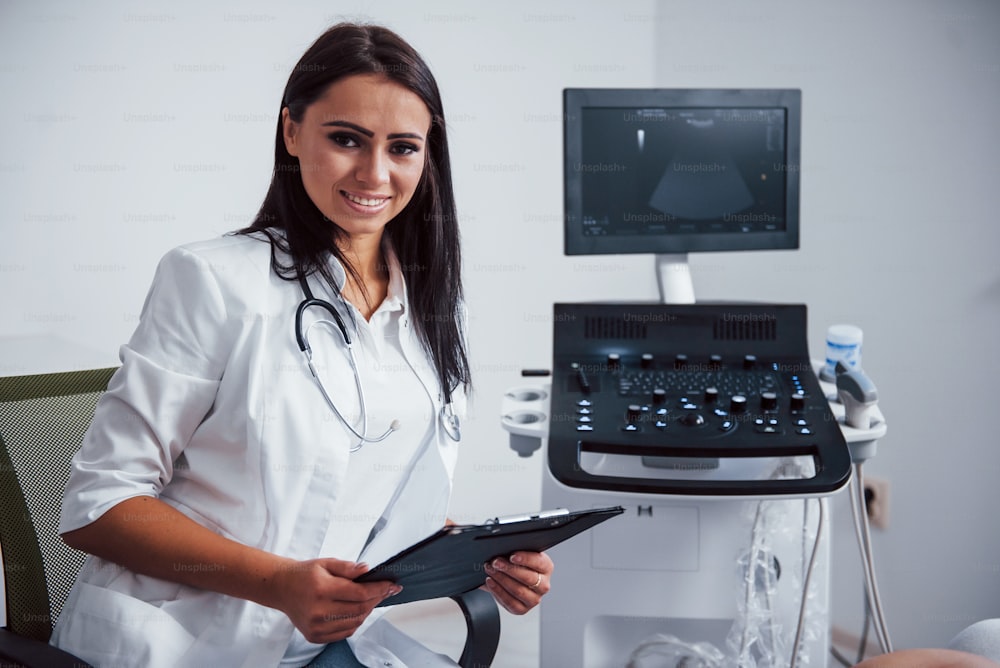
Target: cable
point(750, 578)
point(805, 586)
point(841, 659)
point(863, 643)
point(859, 535)
point(863, 535)
point(875, 605)
point(877, 611)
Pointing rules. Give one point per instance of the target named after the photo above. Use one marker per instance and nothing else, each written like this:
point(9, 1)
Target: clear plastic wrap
point(772, 617)
point(767, 625)
point(667, 651)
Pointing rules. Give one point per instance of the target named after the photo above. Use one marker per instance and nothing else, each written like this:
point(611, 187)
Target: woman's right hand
point(151, 537)
point(322, 599)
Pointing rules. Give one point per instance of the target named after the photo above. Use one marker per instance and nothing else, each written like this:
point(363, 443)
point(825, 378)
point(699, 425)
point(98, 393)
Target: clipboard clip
point(512, 519)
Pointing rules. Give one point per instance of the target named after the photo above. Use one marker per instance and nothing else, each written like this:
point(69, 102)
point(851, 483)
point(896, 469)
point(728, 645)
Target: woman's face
point(361, 149)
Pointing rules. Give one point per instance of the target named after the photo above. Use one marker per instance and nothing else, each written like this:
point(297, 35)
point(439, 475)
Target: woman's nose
point(373, 169)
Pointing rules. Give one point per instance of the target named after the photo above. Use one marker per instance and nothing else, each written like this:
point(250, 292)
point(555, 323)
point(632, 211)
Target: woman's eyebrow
point(368, 133)
point(347, 124)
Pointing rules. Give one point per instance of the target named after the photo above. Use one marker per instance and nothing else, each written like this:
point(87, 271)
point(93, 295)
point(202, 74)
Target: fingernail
point(517, 558)
point(498, 563)
point(393, 590)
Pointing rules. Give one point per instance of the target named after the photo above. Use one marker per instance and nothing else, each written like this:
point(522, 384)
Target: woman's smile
point(361, 151)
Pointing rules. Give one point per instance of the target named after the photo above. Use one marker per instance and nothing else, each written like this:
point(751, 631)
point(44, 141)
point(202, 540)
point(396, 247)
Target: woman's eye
point(344, 139)
point(405, 148)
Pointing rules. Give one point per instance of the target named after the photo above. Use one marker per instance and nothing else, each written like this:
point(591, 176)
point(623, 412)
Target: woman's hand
point(151, 537)
point(518, 583)
point(323, 601)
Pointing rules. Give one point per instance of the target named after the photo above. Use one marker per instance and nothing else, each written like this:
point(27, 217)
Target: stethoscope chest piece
point(450, 422)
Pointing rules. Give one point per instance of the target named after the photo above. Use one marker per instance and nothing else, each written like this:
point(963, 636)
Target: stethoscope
point(449, 420)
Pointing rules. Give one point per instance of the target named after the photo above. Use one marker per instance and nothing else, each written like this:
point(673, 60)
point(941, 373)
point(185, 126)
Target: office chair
point(43, 419)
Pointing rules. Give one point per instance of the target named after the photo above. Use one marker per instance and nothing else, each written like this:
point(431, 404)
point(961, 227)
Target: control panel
point(688, 388)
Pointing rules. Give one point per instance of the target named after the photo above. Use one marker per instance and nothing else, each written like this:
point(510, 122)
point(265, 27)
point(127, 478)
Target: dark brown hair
point(424, 235)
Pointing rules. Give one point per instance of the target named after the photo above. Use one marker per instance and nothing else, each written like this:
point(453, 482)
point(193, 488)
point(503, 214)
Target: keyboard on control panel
point(685, 382)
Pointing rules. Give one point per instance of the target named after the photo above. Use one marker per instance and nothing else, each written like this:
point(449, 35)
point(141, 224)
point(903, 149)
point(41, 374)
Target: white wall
point(899, 236)
point(126, 131)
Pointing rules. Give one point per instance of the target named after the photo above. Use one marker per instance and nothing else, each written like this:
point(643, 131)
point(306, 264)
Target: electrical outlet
point(877, 501)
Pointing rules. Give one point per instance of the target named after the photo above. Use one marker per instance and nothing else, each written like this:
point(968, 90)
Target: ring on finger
point(537, 582)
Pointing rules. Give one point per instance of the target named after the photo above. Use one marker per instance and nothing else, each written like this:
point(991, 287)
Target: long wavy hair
point(424, 235)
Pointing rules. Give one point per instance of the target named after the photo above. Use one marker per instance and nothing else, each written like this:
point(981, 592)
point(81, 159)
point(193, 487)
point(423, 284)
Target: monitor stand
point(673, 277)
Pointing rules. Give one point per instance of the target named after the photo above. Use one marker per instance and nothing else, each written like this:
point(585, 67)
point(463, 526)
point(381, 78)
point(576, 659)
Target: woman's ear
point(289, 130)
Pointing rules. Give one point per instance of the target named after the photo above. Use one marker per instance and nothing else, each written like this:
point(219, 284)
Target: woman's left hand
point(519, 582)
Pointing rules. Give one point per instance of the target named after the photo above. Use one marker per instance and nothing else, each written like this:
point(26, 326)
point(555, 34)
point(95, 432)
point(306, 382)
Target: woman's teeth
point(363, 201)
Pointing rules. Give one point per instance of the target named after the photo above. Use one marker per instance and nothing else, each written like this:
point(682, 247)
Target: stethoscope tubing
point(449, 421)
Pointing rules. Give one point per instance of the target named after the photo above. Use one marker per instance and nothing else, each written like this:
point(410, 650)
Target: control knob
point(737, 404)
point(768, 401)
point(581, 378)
point(647, 361)
point(692, 419)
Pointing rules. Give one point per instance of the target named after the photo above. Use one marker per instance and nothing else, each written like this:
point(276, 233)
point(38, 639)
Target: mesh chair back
point(42, 422)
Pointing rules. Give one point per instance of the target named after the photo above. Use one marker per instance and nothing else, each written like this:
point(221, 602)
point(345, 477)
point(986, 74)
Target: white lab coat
point(214, 412)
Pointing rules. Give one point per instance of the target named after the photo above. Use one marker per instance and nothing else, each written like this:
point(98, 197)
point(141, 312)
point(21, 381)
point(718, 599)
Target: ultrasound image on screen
point(652, 171)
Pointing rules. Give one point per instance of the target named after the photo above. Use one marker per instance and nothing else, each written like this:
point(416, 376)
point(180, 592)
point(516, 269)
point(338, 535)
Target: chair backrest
point(43, 419)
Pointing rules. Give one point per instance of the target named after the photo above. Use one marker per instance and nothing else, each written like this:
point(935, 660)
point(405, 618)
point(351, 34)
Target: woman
point(229, 490)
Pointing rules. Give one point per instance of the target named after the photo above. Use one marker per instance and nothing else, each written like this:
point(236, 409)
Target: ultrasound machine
point(709, 422)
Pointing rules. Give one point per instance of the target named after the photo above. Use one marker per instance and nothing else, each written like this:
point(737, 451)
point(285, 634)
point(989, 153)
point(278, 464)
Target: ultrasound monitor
point(674, 171)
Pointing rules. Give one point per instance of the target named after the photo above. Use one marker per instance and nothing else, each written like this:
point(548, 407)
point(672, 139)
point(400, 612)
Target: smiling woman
point(423, 235)
point(229, 472)
point(361, 153)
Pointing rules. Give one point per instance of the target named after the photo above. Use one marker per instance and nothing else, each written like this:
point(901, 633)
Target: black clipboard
point(451, 561)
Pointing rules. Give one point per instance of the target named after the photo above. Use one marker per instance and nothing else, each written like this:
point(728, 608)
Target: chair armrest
point(17, 650)
point(482, 622)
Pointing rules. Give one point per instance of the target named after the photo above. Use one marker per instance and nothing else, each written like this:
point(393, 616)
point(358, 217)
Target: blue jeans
point(336, 655)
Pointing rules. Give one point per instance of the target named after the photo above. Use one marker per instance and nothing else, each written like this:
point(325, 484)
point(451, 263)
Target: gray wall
point(127, 131)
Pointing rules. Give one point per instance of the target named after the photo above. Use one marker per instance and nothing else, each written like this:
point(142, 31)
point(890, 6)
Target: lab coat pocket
point(111, 629)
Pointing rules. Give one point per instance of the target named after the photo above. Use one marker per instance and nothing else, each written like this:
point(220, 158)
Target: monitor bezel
point(575, 100)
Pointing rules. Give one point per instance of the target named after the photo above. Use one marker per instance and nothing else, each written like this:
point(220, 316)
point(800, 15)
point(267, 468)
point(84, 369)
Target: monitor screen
point(677, 170)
